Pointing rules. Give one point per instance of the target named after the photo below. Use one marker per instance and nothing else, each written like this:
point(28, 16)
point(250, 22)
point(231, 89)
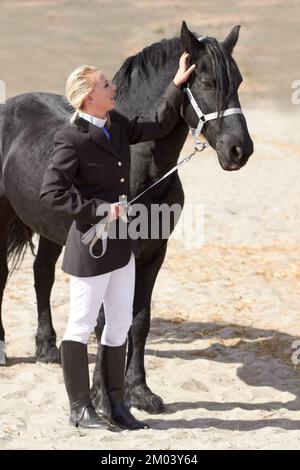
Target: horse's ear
point(188, 40)
point(231, 39)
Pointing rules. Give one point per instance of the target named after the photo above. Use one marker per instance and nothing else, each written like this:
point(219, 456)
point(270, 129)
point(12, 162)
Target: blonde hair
point(79, 84)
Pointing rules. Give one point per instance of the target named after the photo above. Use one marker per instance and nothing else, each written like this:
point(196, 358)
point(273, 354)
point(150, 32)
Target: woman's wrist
point(177, 84)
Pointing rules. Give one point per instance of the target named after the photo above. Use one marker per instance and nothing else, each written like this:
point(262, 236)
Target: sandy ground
point(225, 315)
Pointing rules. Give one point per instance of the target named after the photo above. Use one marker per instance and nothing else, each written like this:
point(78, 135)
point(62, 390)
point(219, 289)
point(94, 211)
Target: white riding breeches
point(115, 290)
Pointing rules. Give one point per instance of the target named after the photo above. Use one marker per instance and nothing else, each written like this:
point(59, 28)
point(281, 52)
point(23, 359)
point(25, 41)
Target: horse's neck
point(142, 99)
point(161, 157)
point(143, 95)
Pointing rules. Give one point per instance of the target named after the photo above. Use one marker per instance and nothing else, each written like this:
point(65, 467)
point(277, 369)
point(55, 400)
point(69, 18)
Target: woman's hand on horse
point(184, 71)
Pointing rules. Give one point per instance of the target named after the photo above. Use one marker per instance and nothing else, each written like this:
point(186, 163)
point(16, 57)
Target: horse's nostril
point(237, 152)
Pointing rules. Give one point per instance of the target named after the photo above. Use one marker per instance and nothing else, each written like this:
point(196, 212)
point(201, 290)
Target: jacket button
point(122, 180)
point(119, 163)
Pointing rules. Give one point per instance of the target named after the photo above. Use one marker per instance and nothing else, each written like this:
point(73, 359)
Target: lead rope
point(100, 229)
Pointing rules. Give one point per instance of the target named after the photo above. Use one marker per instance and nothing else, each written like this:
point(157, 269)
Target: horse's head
point(214, 85)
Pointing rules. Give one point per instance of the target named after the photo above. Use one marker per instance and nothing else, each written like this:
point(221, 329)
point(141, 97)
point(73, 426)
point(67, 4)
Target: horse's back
point(34, 109)
point(28, 125)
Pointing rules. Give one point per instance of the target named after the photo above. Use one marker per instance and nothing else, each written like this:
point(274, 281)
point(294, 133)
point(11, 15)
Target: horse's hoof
point(2, 354)
point(142, 398)
point(48, 354)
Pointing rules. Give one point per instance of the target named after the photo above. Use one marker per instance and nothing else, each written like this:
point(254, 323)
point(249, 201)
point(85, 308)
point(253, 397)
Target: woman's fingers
point(184, 58)
point(189, 70)
point(184, 64)
point(184, 70)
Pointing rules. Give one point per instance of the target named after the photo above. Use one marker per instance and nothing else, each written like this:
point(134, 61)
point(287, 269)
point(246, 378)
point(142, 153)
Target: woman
point(92, 155)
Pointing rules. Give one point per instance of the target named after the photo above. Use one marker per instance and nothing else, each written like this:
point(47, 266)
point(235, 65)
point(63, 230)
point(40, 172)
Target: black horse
point(27, 126)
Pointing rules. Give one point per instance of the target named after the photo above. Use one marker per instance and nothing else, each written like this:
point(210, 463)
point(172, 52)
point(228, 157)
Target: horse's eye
point(208, 85)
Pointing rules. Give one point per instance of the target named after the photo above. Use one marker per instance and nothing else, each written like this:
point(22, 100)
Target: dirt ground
point(225, 315)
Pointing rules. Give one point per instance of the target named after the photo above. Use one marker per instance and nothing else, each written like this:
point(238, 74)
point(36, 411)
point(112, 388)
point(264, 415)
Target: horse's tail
point(19, 237)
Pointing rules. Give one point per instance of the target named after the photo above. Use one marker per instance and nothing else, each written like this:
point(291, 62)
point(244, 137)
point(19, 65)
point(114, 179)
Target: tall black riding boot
point(74, 361)
point(114, 369)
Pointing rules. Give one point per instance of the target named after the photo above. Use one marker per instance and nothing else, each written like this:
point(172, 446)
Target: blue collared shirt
point(99, 122)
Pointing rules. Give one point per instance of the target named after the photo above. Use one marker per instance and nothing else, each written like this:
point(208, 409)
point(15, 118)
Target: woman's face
point(102, 96)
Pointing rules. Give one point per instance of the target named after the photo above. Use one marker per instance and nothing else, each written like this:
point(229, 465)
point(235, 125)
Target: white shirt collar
point(99, 122)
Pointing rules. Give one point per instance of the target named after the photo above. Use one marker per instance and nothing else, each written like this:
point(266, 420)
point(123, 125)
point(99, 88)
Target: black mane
point(222, 65)
point(158, 54)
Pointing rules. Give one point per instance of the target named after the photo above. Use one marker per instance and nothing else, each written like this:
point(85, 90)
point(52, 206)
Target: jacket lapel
point(95, 133)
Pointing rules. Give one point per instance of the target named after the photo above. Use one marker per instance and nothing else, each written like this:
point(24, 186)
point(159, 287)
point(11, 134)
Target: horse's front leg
point(138, 394)
point(98, 392)
point(44, 276)
point(3, 279)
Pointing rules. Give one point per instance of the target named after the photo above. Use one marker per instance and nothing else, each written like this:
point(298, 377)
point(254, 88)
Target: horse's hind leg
point(7, 215)
point(44, 276)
